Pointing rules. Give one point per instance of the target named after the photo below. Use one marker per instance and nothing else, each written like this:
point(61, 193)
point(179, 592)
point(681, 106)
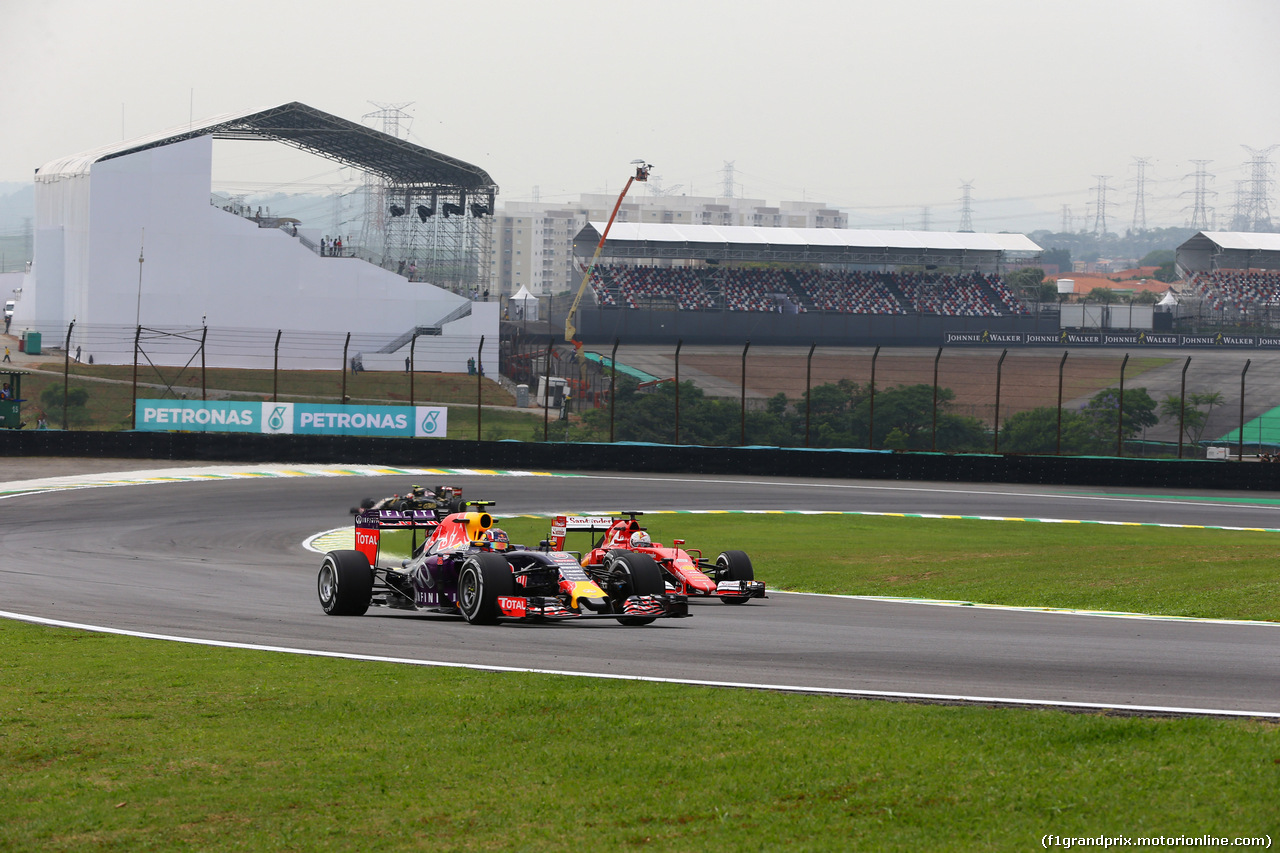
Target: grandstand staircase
point(888, 280)
point(399, 343)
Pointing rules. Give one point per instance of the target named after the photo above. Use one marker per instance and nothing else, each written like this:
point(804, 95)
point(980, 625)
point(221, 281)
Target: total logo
point(512, 606)
point(363, 538)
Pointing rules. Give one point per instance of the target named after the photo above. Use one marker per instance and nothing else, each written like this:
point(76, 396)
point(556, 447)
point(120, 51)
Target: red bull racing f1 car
point(730, 576)
point(463, 564)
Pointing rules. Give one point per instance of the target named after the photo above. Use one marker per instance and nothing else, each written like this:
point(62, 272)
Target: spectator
point(6, 355)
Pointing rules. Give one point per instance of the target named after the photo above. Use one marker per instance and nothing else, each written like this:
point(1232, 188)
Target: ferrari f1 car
point(729, 577)
point(465, 565)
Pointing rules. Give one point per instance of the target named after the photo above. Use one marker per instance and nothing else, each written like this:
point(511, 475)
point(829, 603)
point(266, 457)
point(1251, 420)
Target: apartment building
point(533, 242)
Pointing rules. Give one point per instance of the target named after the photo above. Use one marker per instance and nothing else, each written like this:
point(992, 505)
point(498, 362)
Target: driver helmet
point(497, 539)
point(640, 539)
point(416, 491)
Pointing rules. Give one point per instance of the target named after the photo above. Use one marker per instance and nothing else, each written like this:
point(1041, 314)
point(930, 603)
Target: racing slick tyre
point(634, 574)
point(457, 505)
point(345, 583)
point(483, 578)
point(734, 566)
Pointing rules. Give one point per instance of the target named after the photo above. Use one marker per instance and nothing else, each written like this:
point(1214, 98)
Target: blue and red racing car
point(730, 577)
point(463, 564)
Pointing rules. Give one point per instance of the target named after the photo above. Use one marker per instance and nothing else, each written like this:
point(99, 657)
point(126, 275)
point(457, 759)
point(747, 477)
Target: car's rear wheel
point(345, 583)
point(484, 577)
point(632, 573)
point(734, 566)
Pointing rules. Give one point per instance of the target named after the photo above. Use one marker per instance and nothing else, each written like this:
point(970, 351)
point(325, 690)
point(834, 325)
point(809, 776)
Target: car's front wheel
point(345, 583)
point(734, 566)
point(632, 573)
point(484, 577)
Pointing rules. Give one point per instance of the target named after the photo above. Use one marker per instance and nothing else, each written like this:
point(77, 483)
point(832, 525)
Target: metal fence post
point(204, 385)
point(613, 385)
point(479, 384)
point(413, 367)
point(808, 391)
point(1120, 411)
point(679, 343)
point(137, 335)
point(1061, 365)
point(999, 368)
point(871, 429)
point(344, 368)
point(275, 370)
point(546, 391)
point(1240, 446)
point(933, 444)
point(66, 374)
point(743, 437)
point(1182, 405)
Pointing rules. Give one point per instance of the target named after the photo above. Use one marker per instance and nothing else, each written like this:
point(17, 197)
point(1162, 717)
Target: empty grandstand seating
point(1243, 290)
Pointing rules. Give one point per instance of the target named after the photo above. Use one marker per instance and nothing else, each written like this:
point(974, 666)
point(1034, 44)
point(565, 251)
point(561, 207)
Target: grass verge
point(1176, 572)
point(116, 743)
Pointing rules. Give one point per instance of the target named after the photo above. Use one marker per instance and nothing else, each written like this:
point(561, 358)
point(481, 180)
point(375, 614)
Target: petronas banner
point(291, 418)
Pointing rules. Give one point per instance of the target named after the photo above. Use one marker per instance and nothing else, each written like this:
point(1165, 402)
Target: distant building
point(533, 242)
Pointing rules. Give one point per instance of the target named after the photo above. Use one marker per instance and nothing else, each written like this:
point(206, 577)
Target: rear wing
point(393, 533)
point(565, 523)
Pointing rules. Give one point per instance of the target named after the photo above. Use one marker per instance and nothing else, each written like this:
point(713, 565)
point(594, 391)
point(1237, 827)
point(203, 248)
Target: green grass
point(116, 743)
point(1175, 572)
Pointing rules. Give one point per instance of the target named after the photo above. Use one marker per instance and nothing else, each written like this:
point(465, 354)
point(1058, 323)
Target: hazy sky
point(882, 108)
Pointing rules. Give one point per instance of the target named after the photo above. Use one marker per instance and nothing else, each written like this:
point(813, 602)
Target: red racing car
point(729, 577)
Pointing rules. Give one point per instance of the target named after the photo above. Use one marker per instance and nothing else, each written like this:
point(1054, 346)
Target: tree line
point(843, 414)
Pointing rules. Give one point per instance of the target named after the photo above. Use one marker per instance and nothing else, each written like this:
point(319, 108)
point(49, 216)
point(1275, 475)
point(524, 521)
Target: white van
point(8, 308)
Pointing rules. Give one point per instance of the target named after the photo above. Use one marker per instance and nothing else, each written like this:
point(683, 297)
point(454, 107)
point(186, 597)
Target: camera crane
point(642, 174)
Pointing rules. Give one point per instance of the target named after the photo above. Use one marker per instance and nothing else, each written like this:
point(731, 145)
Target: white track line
point(783, 688)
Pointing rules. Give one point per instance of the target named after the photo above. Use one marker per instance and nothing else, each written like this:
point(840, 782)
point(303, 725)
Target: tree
point(1145, 297)
point(1157, 257)
point(1036, 431)
point(1167, 272)
point(1104, 407)
point(908, 409)
point(1105, 295)
point(1194, 420)
point(77, 398)
point(1058, 257)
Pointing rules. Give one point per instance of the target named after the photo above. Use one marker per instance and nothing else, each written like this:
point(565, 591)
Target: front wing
point(741, 589)
point(536, 607)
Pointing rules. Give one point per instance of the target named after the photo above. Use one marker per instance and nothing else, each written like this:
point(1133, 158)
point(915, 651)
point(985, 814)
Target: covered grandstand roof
point(308, 129)
point(825, 245)
point(1209, 250)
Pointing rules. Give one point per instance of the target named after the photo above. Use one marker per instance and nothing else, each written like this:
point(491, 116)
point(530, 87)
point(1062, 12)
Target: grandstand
point(1233, 275)
point(800, 291)
point(832, 285)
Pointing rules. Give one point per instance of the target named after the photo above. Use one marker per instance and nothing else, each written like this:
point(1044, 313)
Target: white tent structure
point(127, 237)
point(524, 305)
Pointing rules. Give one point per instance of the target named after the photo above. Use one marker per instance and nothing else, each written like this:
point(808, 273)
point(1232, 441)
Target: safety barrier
point(647, 458)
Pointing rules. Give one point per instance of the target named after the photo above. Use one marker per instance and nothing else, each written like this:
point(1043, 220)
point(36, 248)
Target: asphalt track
point(222, 560)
